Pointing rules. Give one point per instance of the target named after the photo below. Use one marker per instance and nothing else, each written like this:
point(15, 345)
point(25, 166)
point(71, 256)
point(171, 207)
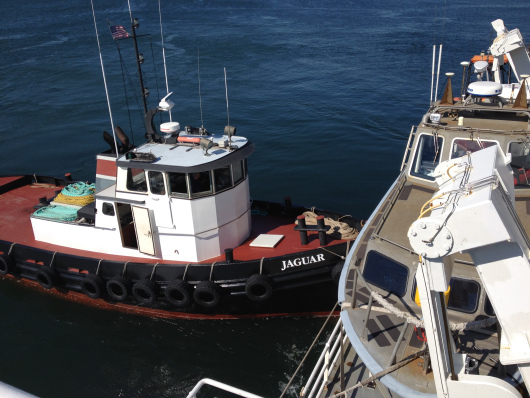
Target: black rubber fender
point(178, 293)
point(46, 277)
point(336, 271)
point(259, 288)
point(207, 294)
point(7, 264)
point(144, 291)
point(92, 286)
point(118, 288)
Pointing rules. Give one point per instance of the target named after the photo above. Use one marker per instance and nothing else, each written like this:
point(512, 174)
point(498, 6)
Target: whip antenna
point(199, 74)
point(105, 81)
point(164, 54)
point(228, 114)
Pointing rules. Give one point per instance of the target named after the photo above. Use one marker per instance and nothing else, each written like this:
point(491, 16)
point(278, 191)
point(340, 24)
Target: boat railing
point(332, 353)
point(408, 148)
point(221, 386)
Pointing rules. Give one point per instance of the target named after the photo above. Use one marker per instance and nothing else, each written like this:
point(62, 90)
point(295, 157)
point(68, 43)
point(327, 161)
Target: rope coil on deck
point(419, 323)
point(341, 229)
point(78, 194)
point(59, 213)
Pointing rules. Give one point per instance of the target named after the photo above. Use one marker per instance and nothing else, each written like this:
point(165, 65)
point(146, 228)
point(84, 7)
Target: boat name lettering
point(302, 261)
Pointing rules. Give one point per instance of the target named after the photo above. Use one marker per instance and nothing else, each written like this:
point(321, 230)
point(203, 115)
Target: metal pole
point(342, 387)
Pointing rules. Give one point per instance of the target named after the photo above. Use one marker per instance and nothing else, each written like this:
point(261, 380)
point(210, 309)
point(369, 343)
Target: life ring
point(336, 271)
point(6, 264)
point(46, 277)
point(206, 294)
point(144, 291)
point(178, 293)
point(117, 288)
point(258, 288)
point(92, 286)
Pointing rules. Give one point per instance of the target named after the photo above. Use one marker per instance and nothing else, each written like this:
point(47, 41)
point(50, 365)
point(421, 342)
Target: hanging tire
point(117, 288)
point(46, 277)
point(6, 264)
point(258, 288)
point(92, 286)
point(144, 291)
point(178, 293)
point(207, 294)
point(336, 271)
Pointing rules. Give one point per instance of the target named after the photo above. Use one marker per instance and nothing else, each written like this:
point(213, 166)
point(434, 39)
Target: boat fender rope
point(97, 269)
point(211, 270)
point(11, 248)
point(185, 272)
point(261, 265)
point(124, 269)
point(329, 251)
point(53, 259)
point(153, 272)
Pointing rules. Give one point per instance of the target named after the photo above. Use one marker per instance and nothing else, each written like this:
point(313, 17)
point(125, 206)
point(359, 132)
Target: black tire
point(46, 277)
point(6, 264)
point(144, 291)
point(117, 288)
point(336, 271)
point(178, 293)
point(92, 286)
point(259, 288)
point(207, 294)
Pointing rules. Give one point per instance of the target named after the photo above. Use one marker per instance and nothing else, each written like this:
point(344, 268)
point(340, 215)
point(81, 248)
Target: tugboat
point(434, 291)
point(169, 229)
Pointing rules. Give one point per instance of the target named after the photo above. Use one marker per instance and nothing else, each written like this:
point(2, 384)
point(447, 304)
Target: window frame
point(380, 285)
point(415, 154)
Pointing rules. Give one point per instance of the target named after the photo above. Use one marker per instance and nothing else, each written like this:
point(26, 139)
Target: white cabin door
point(144, 230)
point(159, 201)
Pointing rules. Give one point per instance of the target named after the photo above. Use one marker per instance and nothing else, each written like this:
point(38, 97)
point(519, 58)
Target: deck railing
point(221, 386)
point(332, 353)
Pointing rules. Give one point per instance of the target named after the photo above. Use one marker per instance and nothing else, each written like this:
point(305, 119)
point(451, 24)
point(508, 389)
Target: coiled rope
point(77, 194)
point(58, 213)
point(341, 229)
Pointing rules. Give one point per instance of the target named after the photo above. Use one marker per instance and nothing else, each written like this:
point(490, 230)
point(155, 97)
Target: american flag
point(118, 32)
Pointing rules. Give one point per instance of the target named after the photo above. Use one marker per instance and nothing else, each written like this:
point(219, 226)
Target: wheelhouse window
point(222, 178)
point(464, 295)
point(427, 156)
point(386, 273)
point(136, 180)
point(200, 184)
point(238, 172)
point(156, 183)
point(488, 308)
point(520, 163)
point(462, 146)
point(178, 185)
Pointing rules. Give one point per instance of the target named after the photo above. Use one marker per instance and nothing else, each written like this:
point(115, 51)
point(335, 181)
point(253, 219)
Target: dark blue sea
point(328, 92)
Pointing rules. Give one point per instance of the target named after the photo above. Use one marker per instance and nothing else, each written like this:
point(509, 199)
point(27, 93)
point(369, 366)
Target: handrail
point(314, 386)
point(221, 386)
point(408, 149)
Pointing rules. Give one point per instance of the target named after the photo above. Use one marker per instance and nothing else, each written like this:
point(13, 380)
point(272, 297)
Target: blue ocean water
point(328, 92)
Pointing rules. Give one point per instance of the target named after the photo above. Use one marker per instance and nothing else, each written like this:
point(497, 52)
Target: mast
point(139, 61)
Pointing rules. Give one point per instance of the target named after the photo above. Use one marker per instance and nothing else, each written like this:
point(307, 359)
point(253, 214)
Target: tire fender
point(144, 291)
point(6, 264)
point(207, 294)
point(259, 288)
point(92, 286)
point(117, 288)
point(46, 277)
point(178, 293)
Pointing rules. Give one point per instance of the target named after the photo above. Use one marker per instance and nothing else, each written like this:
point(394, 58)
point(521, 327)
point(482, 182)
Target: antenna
point(200, 98)
point(438, 75)
point(105, 80)
point(164, 54)
point(228, 114)
point(433, 64)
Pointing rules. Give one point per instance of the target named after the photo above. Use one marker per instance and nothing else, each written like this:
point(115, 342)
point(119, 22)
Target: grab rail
point(221, 386)
point(333, 350)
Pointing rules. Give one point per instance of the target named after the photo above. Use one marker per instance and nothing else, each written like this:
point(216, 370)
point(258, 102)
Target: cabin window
point(520, 163)
point(488, 308)
point(427, 156)
point(386, 273)
point(238, 173)
point(462, 146)
point(222, 178)
point(108, 209)
point(464, 295)
point(156, 183)
point(200, 184)
point(178, 185)
point(136, 180)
